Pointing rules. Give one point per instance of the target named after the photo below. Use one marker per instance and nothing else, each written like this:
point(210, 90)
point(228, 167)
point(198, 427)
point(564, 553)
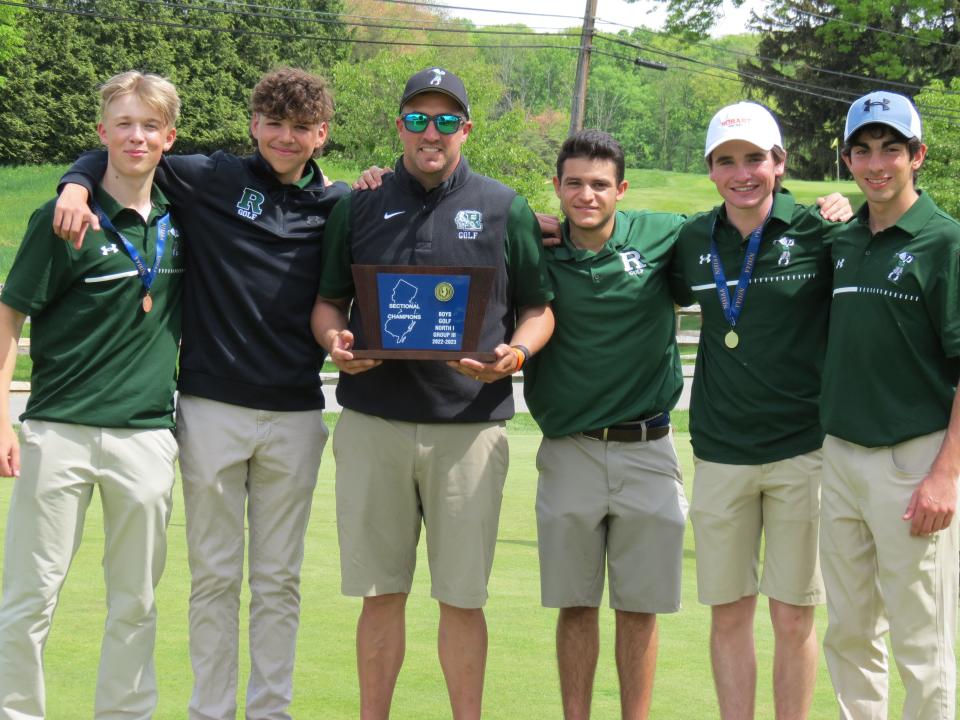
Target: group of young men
point(259, 255)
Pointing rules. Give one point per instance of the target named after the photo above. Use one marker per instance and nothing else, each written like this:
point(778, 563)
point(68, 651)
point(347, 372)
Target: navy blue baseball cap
point(436, 80)
point(885, 108)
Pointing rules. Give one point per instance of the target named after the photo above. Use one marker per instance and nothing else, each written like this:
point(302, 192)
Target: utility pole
point(583, 68)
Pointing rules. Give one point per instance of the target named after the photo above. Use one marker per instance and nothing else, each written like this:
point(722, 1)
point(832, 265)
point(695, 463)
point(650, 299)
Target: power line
point(861, 26)
point(334, 19)
point(784, 83)
point(797, 64)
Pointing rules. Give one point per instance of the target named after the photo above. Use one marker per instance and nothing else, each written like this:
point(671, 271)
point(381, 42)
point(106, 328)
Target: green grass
point(521, 675)
point(23, 189)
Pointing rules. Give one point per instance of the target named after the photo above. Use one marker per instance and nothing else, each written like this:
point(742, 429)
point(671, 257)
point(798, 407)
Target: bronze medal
point(731, 339)
point(147, 303)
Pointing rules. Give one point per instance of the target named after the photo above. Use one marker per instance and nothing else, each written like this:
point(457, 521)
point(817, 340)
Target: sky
point(617, 12)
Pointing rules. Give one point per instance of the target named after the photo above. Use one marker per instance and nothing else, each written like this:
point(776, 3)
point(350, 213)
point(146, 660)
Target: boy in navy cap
point(890, 410)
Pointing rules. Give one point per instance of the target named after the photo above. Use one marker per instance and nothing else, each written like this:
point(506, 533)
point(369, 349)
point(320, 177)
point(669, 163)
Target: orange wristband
point(522, 354)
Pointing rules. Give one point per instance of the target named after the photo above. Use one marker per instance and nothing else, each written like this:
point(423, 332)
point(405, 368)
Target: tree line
point(806, 60)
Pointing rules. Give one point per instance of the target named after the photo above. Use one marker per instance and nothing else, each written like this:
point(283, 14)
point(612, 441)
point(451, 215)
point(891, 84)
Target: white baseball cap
point(885, 108)
point(743, 121)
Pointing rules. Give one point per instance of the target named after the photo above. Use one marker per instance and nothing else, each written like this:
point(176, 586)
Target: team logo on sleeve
point(903, 259)
point(633, 262)
point(469, 224)
point(251, 204)
point(784, 243)
point(176, 244)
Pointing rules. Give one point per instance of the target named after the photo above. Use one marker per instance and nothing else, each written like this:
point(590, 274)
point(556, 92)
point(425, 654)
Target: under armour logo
point(840, 263)
point(108, 249)
point(884, 104)
point(437, 76)
point(704, 259)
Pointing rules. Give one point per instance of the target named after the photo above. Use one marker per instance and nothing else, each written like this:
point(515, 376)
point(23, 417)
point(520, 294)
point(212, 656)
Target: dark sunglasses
point(445, 123)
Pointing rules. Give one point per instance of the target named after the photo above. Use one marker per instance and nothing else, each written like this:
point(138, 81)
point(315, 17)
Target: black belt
point(652, 428)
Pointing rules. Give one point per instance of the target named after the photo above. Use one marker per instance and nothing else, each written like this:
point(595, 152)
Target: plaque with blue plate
point(422, 312)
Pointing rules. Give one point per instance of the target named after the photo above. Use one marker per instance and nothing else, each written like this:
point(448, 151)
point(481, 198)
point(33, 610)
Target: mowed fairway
point(521, 675)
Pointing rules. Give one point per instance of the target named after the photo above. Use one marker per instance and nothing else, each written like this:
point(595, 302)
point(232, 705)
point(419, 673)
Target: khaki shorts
point(616, 502)
point(393, 475)
point(733, 505)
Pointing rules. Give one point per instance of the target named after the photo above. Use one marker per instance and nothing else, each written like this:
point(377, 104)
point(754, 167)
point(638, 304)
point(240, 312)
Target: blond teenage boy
point(105, 327)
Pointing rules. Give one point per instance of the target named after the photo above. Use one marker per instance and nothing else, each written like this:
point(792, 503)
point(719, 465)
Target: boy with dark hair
point(891, 412)
point(610, 490)
point(105, 326)
point(249, 416)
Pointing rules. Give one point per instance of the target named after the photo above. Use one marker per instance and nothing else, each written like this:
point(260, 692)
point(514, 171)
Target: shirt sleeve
point(946, 300)
point(336, 279)
point(526, 266)
point(86, 171)
point(41, 271)
point(679, 283)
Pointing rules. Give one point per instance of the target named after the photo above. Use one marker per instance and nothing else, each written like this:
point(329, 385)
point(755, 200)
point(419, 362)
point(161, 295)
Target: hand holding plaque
point(422, 312)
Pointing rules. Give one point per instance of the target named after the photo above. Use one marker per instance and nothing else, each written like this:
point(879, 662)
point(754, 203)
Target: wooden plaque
point(422, 312)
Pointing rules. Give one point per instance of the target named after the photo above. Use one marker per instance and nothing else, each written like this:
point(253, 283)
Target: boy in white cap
point(890, 410)
point(759, 265)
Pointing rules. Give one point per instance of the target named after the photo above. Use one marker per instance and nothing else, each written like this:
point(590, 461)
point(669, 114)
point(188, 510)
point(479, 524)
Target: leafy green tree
point(11, 38)
point(660, 118)
point(814, 57)
point(501, 144)
point(213, 54)
point(939, 106)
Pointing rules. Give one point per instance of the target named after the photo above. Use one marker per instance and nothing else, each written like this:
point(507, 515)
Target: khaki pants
point(879, 578)
point(261, 466)
point(61, 465)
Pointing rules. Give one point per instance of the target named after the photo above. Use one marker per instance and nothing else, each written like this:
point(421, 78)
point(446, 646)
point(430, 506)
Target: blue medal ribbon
point(731, 308)
point(146, 275)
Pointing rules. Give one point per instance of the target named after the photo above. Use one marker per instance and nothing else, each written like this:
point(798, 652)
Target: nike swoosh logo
point(388, 215)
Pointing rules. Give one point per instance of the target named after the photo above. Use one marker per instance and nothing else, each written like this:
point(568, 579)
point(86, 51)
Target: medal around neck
point(731, 339)
point(146, 274)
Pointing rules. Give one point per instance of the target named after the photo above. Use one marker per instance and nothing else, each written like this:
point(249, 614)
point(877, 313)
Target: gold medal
point(147, 303)
point(731, 339)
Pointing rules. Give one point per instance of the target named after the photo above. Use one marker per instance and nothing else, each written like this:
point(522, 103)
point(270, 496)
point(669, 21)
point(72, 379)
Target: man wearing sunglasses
point(420, 441)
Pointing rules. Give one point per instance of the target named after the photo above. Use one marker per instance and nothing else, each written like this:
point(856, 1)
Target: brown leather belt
point(633, 432)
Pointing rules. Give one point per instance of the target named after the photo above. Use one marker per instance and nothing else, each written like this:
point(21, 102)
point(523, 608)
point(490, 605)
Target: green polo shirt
point(758, 402)
point(98, 358)
point(892, 359)
point(613, 354)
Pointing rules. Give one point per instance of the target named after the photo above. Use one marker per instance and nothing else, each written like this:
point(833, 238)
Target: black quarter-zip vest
point(404, 224)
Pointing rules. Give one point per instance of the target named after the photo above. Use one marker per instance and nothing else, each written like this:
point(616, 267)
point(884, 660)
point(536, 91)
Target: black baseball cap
point(436, 80)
